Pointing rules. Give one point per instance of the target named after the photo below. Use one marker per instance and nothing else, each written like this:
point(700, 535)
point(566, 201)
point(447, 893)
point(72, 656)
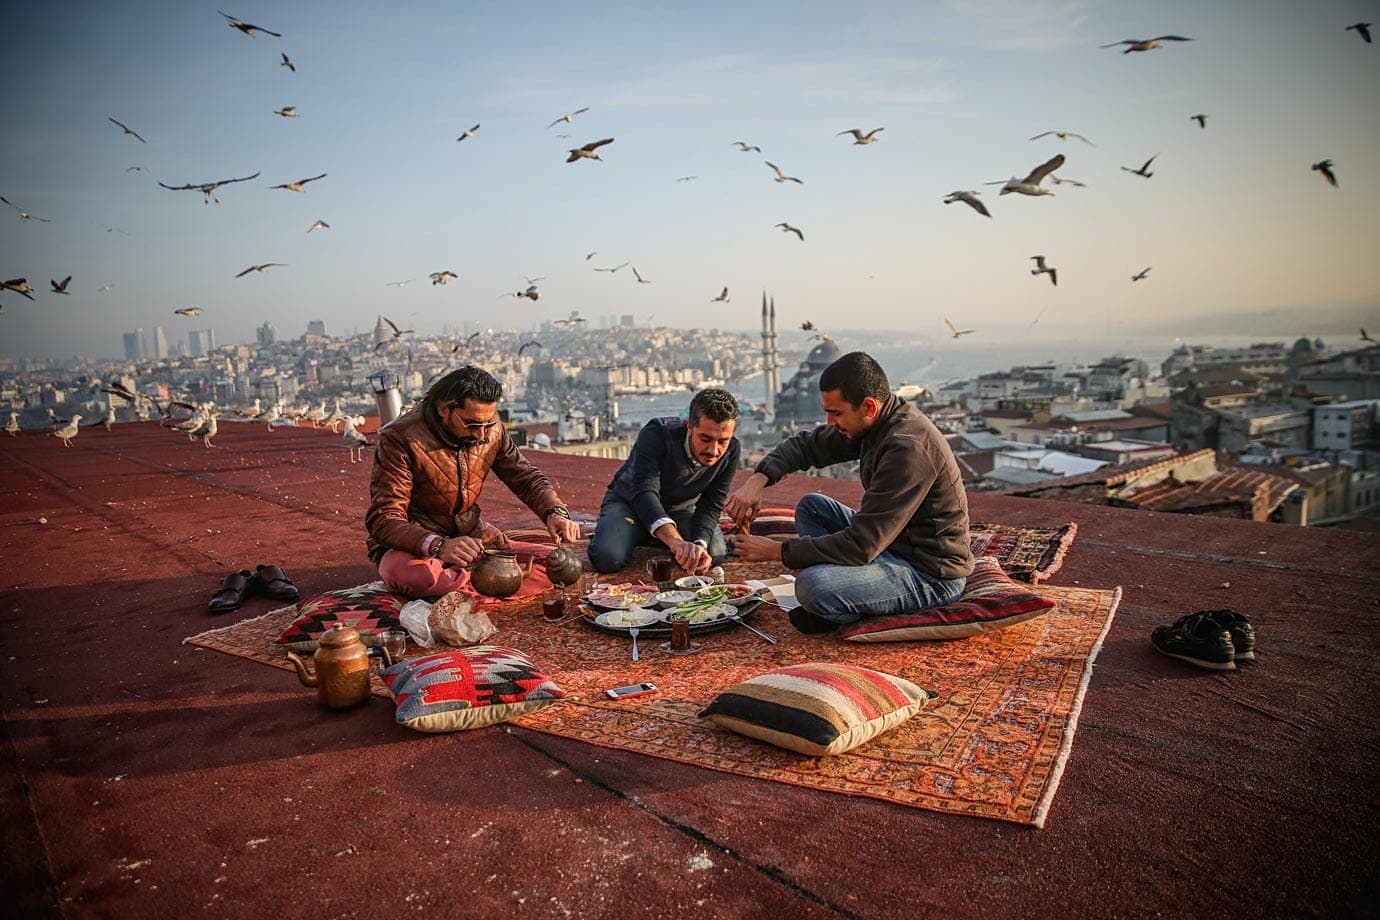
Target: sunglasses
point(477, 427)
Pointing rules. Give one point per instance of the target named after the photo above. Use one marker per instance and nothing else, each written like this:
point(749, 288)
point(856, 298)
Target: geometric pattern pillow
point(371, 609)
point(778, 523)
point(817, 708)
point(467, 688)
point(990, 601)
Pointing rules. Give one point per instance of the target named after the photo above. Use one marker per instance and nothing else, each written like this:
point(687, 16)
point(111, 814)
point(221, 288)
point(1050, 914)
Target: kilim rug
point(1026, 553)
point(993, 744)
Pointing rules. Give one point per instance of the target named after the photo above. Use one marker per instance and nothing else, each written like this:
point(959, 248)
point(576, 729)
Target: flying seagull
point(574, 318)
point(1030, 185)
point(465, 344)
point(534, 280)
point(526, 345)
point(970, 199)
point(787, 228)
point(806, 326)
point(1362, 29)
point(188, 311)
point(722, 298)
point(1200, 119)
point(1364, 337)
point(1042, 269)
point(136, 136)
point(782, 177)
point(859, 137)
point(442, 277)
point(297, 186)
point(287, 62)
point(1145, 44)
point(18, 285)
point(467, 133)
point(23, 214)
point(260, 268)
point(588, 151)
point(206, 188)
point(394, 326)
point(590, 255)
point(60, 287)
point(955, 330)
point(568, 117)
point(1140, 275)
point(1322, 166)
point(640, 279)
point(1074, 182)
point(614, 269)
point(686, 178)
point(134, 169)
point(1063, 136)
point(246, 27)
point(1144, 170)
point(400, 283)
point(109, 229)
point(287, 111)
point(746, 147)
point(319, 225)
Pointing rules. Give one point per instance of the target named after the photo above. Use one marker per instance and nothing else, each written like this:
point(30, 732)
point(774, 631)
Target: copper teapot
point(498, 574)
point(342, 669)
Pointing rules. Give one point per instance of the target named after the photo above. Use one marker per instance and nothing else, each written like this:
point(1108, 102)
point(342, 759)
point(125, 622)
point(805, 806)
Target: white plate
point(694, 582)
point(626, 619)
point(672, 598)
point(735, 601)
point(708, 615)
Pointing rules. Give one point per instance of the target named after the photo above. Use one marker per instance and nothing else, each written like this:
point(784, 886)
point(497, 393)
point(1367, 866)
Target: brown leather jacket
point(426, 481)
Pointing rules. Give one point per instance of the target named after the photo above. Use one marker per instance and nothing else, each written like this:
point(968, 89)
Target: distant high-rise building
point(267, 333)
point(626, 320)
point(201, 341)
point(317, 327)
point(160, 343)
point(136, 347)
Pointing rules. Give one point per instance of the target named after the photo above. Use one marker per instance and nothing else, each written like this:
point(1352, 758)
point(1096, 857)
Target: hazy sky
point(1233, 218)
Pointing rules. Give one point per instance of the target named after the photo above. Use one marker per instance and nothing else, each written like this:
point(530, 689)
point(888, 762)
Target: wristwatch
point(558, 510)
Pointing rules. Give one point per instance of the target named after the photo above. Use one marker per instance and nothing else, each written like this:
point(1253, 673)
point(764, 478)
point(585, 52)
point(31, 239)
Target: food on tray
point(620, 596)
point(701, 611)
point(633, 616)
point(674, 598)
point(737, 595)
point(693, 582)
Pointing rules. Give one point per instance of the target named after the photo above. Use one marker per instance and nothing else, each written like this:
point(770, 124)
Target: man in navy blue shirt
point(672, 487)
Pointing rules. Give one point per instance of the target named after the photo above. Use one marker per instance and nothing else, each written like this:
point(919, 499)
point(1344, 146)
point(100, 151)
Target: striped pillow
point(816, 708)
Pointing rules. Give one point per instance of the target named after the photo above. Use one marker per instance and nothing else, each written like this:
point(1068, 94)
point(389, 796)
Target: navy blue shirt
point(660, 475)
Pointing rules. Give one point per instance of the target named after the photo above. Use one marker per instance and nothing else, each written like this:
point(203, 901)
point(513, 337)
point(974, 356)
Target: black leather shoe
point(274, 582)
point(234, 588)
point(810, 623)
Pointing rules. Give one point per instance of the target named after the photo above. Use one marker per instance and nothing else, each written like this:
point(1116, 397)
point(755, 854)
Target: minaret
point(768, 362)
point(775, 355)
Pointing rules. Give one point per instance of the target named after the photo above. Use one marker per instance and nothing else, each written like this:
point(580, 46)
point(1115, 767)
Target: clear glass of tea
point(553, 604)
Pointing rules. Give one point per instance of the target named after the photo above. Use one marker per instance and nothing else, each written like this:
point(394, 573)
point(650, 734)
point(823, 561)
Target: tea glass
point(553, 605)
point(662, 568)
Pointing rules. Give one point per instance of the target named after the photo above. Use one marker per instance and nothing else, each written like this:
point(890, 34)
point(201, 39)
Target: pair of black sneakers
point(1212, 639)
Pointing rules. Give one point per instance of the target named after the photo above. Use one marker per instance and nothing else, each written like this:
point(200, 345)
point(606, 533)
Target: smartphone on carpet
point(622, 693)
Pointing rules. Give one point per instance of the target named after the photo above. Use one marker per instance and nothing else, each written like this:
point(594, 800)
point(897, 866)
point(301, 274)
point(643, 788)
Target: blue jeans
point(847, 593)
point(619, 532)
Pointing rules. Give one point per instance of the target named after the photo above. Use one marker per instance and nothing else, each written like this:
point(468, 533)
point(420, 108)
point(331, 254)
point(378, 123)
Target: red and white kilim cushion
point(372, 609)
point(467, 688)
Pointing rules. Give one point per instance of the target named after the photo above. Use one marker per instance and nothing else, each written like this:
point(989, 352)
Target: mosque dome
point(1303, 344)
point(822, 355)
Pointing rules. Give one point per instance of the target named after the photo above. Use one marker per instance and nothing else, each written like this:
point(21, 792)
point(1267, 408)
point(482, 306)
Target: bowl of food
point(673, 598)
point(737, 595)
point(626, 619)
point(693, 582)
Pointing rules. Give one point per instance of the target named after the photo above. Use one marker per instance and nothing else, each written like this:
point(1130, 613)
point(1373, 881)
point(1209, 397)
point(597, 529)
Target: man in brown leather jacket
point(424, 524)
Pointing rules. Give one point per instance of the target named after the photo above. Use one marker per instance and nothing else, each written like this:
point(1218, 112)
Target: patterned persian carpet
point(993, 744)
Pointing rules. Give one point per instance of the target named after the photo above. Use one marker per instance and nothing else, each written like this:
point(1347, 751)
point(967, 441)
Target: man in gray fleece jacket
point(906, 547)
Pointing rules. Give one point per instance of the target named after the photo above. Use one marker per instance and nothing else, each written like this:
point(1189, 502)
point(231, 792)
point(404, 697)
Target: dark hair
point(715, 404)
point(856, 376)
point(469, 382)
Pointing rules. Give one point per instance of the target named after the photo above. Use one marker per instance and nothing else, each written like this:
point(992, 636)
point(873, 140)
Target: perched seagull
point(287, 62)
point(859, 137)
point(1063, 136)
point(787, 228)
point(1042, 269)
point(355, 442)
point(1145, 44)
point(468, 133)
point(970, 199)
point(206, 188)
point(335, 418)
point(442, 277)
point(251, 412)
point(12, 426)
point(125, 128)
point(1325, 167)
point(722, 298)
point(187, 311)
point(1200, 119)
point(1362, 29)
point(1030, 185)
point(271, 415)
point(23, 214)
point(782, 177)
point(568, 117)
point(640, 279)
point(260, 268)
point(317, 415)
point(526, 345)
point(1074, 182)
point(400, 283)
point(319, 225)
point(68, 431)
point(297, 186)
point(1144, 170)
point(206, 430)
point(614, 269)
point(18, 285)
point(955, 330)
point(287, 111)
point(746, 147)
point(588, 151)
point(60, 287)
point(1140, 275)
point(245, 27)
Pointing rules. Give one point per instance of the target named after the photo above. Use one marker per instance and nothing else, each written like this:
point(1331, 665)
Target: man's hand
point(756, 549)
point(562, 528)
point(461, 552)
point(745, 503)
point(692, 557)
point(491, 536)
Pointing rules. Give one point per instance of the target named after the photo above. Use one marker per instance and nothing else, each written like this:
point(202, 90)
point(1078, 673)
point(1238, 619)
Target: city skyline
point(1232, 221)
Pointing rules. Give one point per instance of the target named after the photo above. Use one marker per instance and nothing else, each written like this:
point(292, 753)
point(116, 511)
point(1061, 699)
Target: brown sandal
point(234, 588)
point(274, 582)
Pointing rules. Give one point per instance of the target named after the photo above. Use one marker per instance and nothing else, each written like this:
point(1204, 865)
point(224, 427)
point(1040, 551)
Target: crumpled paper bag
point(449, 621)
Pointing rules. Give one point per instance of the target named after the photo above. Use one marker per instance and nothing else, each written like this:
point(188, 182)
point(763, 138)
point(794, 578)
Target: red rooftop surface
point(147, 778)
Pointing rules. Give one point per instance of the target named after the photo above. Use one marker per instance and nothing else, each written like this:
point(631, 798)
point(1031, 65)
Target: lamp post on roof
point(385, 384)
